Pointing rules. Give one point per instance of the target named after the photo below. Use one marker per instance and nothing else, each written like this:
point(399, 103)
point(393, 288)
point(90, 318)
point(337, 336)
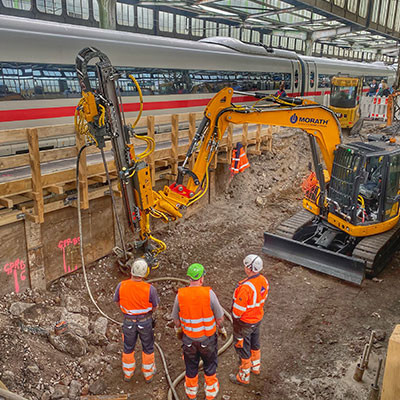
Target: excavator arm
point(99, 116)
point(318, 121)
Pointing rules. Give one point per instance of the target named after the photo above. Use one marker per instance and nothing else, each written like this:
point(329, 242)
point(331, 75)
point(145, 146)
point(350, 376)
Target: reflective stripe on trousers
point(191, 386)
point(211, 386)
point(128, 364)
point(148, 365)
point(243, 375)
point(255, 361)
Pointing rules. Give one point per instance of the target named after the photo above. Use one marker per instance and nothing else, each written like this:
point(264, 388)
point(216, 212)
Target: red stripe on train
point(59, 112)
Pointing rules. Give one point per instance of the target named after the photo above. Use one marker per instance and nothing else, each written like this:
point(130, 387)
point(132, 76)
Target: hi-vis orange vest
point(195, 313)
point(249, 298)
point(134, 297)
point(239, 160)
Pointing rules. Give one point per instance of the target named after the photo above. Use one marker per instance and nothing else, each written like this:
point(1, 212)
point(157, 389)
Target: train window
point(182, 24)
point(235, 32)
point(312, 77)
point(145, 18)
point(165, 21)
point(362, 10)
point(211, 28)
point(49, 6)
point(246, 35)
point(78, 9)
point(125, 14)
point(324, 80)
point(267, 40)
point(41, 81)
point(255, 37)
point(96, 14)
point(17, 4)
point(296, 79)
point(223, 30)
point(197, 27)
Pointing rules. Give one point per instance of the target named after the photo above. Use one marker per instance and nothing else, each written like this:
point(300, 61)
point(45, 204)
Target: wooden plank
point(10, 217)
point(56, 189)
point(6, 202)
point(245, 134)
point(34, 161)
point(391, 382)
point(19, 135)
point(174, 143)
point(150, 158)
point(258, 137)
point(33, 237)
point(162, 163)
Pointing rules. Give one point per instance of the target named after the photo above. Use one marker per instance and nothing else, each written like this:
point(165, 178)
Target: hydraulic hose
point(172, 384)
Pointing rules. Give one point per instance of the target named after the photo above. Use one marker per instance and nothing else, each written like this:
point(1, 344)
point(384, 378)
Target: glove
point(179, 333)
point(154, 323)
point(222, 331)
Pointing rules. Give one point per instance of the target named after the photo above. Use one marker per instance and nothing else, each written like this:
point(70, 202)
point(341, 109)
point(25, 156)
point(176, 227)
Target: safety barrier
point(374, 108)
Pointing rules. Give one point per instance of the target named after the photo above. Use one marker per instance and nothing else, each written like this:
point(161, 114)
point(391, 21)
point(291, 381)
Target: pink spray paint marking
point(62, 245)
point(16, 268)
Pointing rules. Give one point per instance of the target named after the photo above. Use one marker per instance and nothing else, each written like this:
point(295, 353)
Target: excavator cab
point(364, 185)
point(345, 102)
point(351, 238)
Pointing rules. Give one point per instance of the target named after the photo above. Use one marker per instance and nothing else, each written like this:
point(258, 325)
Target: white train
point(38, 84)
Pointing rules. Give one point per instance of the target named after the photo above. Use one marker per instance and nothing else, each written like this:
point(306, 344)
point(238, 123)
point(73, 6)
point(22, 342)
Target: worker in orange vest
point(239, 160)
point(247, 312)
point(197, 314)
point(137, 300)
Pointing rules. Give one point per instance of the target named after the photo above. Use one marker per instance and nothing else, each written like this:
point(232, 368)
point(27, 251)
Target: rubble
point(69, 343)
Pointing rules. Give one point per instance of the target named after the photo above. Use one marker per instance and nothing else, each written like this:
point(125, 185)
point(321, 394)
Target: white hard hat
point(253, 262)
point(139, 268)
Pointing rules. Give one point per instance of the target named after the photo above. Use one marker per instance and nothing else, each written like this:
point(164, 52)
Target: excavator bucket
point(344, 267)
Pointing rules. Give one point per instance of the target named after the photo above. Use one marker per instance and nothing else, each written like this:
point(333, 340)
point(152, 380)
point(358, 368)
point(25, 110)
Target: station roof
point(348, 24)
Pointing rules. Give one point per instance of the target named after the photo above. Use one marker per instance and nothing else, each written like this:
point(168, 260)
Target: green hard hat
point(195, 271)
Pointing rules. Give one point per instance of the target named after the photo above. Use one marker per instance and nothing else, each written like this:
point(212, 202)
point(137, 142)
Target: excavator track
point(369, 256)
point(282, 245)
point(288, 228)
point(377, 250)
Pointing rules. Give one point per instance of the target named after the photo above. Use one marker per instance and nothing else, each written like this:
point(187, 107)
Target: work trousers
point(206, 350)
point(246, 338)
point(142, 329)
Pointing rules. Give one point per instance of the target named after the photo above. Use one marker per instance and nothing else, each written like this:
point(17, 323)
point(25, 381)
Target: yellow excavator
point(344, 100)
point(349, 224)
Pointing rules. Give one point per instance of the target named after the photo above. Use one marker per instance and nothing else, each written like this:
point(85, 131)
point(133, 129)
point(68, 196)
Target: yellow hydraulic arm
point(318, 121)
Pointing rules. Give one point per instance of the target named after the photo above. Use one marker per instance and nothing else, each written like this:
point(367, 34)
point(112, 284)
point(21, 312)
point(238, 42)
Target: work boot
point(243, 376)
point(191, 387)
point(233, 379)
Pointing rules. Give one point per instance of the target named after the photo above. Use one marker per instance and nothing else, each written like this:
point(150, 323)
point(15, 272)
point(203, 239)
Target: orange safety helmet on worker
point(239, 159)
point(247, 312)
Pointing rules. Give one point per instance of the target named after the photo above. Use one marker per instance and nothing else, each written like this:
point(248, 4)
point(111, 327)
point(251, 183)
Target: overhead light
point(216, 10)
point(258, 21)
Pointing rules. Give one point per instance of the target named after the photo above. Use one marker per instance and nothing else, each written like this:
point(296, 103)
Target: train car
point(38, 83)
